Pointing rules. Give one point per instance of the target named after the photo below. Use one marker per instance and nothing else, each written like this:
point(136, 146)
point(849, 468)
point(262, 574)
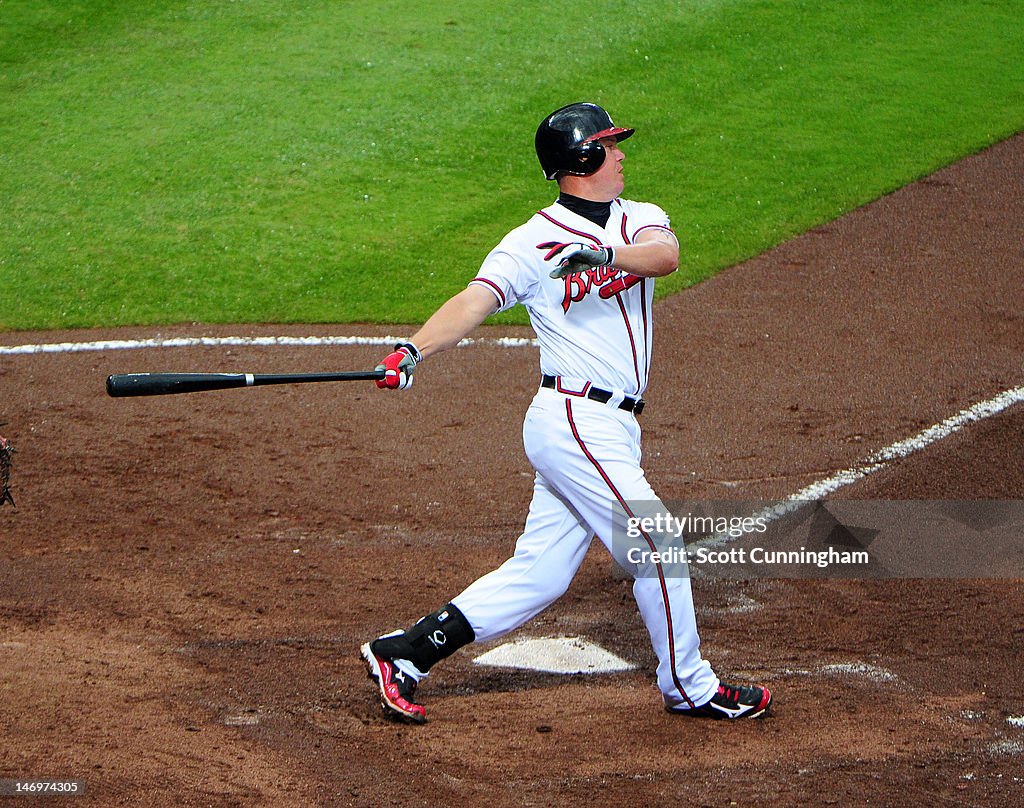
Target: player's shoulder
point(640, 216)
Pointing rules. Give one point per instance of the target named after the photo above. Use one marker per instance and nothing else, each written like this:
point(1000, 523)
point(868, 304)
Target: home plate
point(554, 655)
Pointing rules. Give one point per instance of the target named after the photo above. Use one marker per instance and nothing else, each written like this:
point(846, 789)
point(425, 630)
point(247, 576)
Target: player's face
point(608, 181)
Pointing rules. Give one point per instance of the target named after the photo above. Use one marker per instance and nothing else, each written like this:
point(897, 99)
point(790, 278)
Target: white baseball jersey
point(592, 326)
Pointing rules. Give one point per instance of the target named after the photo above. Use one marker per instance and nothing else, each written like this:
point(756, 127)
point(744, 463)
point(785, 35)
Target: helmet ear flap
point(588, 158)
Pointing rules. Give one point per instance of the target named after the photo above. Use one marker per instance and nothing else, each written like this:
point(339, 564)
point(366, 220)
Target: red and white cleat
point(396, 688)
point(733, 701)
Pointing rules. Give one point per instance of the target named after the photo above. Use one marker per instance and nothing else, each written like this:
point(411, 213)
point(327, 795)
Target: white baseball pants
point(587, 457)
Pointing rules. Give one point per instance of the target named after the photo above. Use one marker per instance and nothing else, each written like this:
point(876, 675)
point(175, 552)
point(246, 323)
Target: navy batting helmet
point(567, 140)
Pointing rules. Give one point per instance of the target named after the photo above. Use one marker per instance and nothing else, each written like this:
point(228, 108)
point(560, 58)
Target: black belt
point(633, 405)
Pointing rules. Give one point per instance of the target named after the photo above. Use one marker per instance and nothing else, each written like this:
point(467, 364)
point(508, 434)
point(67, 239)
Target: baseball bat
point(164, 384)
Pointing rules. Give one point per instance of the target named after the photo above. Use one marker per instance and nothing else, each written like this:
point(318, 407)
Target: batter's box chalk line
point(565, 655)
point(740, 604)
point(863, 670)
point(242, 720)
point(1007, 746)
point(870, 672)
point(877, 461)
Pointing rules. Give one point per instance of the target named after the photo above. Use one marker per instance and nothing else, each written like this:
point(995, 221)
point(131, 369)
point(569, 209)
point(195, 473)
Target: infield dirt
point(186, 580)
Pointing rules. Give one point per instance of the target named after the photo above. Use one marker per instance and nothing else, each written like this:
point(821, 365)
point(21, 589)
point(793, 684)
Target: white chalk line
point(216, 342)
point(878, 461)
point(862, 669)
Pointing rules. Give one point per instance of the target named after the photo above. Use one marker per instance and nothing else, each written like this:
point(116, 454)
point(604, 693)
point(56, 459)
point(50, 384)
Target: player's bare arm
point(655, 253)
point(446, 327)
point(455, 320)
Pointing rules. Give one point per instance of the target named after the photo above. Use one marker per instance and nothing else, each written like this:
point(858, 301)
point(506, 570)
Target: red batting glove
point(398, 367)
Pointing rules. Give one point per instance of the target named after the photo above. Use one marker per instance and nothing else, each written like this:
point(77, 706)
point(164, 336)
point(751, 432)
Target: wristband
point(414, 352)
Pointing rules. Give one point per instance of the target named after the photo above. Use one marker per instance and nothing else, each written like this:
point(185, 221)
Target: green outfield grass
point(343, 161)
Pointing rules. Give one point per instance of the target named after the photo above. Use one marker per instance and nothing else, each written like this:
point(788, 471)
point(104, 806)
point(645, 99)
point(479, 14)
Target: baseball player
point(584, 268)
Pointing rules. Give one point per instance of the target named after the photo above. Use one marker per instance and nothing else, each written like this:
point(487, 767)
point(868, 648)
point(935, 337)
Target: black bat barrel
point(162, 384)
